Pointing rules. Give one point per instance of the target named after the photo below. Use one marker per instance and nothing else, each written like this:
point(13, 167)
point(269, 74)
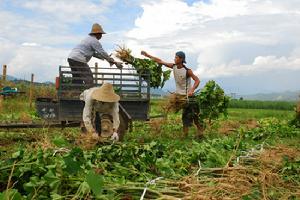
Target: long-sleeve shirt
point(91, 107)
point(87, 48)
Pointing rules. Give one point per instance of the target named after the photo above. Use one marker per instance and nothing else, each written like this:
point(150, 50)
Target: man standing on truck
point(82, 53)
point(101, 109)
point(184, 91)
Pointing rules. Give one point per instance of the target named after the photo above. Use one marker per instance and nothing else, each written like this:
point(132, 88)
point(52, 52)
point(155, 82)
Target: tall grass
point(17, 107)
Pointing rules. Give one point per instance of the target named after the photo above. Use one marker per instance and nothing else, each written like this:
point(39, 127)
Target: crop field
point(269, 105)
point(251, 154)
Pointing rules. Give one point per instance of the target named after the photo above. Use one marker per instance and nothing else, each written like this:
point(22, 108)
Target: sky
point(246, 46)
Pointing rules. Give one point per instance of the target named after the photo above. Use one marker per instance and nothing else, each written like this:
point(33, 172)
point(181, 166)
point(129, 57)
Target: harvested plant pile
point(239, 166)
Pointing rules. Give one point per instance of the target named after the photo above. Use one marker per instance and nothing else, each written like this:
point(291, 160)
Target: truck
point(66, 109)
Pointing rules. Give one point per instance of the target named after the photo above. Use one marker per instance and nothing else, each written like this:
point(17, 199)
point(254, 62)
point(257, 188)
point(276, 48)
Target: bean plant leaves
point(11, 194)
point(52, 180)
point(212, 101)
point(95, 182)
point(72, 166)
point(157, 78)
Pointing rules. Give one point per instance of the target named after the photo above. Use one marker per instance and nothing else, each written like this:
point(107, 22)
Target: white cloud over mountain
point(224, 40)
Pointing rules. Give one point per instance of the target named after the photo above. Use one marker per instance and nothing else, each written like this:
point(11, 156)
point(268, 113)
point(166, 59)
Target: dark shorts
point(190, 114)
point(81, 72)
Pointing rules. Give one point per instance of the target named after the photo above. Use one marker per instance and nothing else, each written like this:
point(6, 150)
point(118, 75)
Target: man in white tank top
point(184, 90)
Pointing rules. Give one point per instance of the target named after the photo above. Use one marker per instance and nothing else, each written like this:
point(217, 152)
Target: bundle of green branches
point(158, 77)
point(212, 101)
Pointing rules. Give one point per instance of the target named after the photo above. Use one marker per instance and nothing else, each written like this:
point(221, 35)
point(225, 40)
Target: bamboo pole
point(31, 91)
point(4, 73)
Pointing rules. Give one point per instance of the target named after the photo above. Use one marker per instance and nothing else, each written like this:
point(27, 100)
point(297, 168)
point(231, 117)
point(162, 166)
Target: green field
point(269, 105)
point(251, 154)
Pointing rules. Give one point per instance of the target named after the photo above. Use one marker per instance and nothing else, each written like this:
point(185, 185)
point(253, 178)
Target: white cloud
point(222, 38)
point(34, 36)
point(30, 44)
point(40, 60)
point(259, 65)
point(66, 11)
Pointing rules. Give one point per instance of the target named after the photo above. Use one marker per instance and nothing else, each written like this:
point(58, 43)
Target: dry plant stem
point(10, 175)
point(234, 152)
point(263, 186)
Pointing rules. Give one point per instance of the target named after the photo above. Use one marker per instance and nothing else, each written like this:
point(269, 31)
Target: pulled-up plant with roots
point(157, 78)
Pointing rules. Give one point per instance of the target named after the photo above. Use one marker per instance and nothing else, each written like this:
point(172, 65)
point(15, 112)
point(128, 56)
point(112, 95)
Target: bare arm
point(158, 60)
point(196, 82)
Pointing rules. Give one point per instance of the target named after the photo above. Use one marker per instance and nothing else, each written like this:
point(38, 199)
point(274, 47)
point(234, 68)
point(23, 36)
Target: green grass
point(241, 114)
point(269, 105)
point(150, 151)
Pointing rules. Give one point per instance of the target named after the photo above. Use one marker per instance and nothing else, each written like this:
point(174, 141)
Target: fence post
point(96, 73)
point(4, 73)
point(1, 103)
point(31, 91)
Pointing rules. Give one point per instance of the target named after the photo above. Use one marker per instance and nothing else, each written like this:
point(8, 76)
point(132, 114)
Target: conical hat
point(105, 93)
point(96, 28)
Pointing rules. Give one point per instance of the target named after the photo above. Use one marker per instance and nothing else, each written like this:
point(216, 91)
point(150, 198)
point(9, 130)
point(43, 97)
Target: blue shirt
point(87, 48)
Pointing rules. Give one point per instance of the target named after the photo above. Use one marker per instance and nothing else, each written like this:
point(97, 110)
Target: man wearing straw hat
point(82, 53)
point(104, 103)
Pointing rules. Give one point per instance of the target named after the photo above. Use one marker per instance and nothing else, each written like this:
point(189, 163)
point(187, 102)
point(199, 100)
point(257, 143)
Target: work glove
point(115, 136)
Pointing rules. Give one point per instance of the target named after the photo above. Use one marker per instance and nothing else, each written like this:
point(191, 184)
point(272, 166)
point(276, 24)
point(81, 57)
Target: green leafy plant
point(212, 101)
point(158, 77)
point(296, 120)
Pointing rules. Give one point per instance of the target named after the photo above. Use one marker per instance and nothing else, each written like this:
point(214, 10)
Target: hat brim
point(93, 33)
point(100, 95)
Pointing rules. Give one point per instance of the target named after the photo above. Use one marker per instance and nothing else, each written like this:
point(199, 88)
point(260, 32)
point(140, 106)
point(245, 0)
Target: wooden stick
point(31, 91)
point(1, 103)
point(4, 73)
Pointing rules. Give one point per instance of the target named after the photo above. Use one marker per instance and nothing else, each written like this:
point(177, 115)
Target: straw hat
point(96, 28)
point(105, 93)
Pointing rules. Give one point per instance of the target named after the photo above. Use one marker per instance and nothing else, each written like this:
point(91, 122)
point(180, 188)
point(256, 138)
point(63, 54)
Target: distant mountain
point(276, 96)
point(9, 78)
point(17, 80)
point(158, 91)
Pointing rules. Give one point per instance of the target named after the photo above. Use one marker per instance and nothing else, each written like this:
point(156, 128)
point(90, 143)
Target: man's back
point(84, 51)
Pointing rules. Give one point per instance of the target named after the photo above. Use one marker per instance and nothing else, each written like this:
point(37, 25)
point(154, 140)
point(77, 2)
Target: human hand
point(115, 136)
point(144, 53)
point(118, 65)
point(190, 92)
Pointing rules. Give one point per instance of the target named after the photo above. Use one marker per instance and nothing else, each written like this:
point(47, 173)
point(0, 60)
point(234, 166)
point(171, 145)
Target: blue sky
point(247, 46)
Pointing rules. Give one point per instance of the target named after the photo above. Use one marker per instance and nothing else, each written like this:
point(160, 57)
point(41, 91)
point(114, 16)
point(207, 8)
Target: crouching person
point(101, 112)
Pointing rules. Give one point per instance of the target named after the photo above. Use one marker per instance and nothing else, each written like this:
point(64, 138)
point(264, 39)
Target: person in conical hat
point(101, 102)
point(84, 51)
